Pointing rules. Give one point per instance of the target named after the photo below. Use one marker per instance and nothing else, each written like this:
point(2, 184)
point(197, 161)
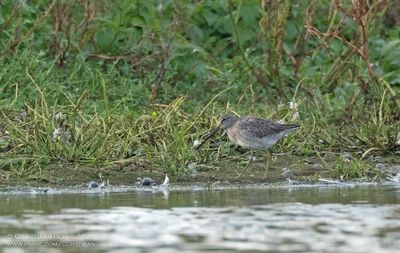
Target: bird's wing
point(259, 128)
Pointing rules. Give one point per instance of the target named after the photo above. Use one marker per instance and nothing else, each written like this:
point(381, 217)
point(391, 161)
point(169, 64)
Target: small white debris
point(59, 117)
point(61, 135)
point(191, 166)
point(196, 143)
point(294, 107)
point(215, 184)
point(192, 169)
point(329, 181)
point(251, 158)
point(287, 173)
point(395, 179)
point(160, 7)
point(398, 140)
point(166, 181)
point(57, 133)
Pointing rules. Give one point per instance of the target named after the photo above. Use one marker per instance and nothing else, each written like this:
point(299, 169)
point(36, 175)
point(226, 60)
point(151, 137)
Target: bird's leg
point(247, 165)
point(269, 157)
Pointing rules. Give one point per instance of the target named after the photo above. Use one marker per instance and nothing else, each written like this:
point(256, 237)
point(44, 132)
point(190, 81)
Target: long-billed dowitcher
point(251, 132)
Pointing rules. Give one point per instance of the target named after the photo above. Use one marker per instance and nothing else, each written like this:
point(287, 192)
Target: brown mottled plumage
point(251, 132)
point(254, 133)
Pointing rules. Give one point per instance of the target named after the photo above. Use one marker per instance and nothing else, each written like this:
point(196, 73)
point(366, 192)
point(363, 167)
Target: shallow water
point(345, 218)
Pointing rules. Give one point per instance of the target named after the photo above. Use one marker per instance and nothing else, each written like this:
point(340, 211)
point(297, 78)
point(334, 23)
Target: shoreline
point(297, 168)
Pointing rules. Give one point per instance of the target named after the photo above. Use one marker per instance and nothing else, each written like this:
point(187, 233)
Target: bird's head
point(227, 121)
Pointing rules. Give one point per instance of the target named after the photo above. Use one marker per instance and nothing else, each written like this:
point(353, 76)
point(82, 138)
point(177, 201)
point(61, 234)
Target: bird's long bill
point(211, 134)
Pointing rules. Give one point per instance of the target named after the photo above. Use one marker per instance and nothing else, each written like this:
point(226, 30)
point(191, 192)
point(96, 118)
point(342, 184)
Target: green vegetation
point(113, 84)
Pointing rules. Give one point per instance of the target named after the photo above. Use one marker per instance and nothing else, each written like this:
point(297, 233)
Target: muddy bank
point(282, 168)
point(303, 169)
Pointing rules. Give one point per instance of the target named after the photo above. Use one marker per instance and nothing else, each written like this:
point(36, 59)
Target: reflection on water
point(302, 219)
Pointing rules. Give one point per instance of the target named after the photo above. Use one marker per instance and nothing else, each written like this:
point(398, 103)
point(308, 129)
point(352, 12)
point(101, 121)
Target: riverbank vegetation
point(134, 84)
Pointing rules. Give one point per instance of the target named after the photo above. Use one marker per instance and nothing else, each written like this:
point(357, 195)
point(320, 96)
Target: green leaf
point(250, 13)
point(391, 45)
point(104, 38)
point(195, 33)
point(83, 54)
point(137, 21)
point(210, 17)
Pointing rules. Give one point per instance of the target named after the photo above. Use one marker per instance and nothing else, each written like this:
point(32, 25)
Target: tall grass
point(143, 80)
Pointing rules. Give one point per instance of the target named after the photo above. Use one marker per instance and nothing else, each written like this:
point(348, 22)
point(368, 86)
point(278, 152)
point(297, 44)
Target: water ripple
point(292, 227)
point(243, 220)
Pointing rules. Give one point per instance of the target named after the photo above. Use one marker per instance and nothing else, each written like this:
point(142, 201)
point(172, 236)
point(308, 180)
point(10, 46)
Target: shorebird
point(252, 133)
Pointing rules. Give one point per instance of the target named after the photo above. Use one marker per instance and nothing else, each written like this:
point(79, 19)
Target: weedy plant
point(355, 169)
point(105, 83)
